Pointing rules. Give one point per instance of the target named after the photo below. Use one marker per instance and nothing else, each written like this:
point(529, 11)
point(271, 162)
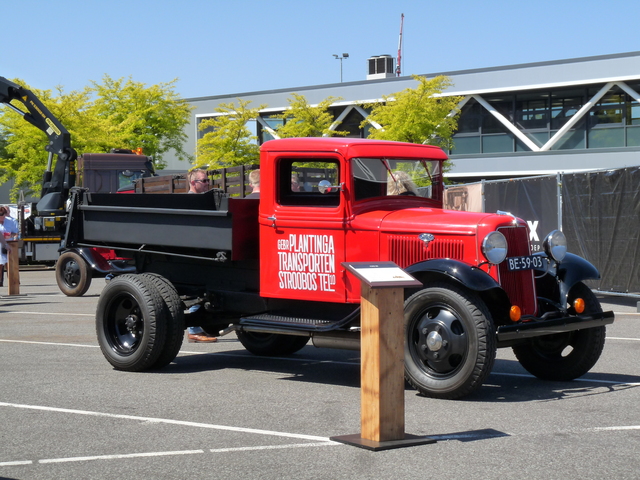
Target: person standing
point(8, 231)
point(198, 183)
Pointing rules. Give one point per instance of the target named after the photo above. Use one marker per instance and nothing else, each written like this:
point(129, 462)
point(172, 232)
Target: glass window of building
point(564, 105)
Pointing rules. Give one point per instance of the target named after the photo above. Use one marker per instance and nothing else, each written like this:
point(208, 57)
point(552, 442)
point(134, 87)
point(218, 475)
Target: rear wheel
point(569, 355)
point(131, 323)
point(175, 318)
point(73, 274)
point(270, 344)
point(450, 343)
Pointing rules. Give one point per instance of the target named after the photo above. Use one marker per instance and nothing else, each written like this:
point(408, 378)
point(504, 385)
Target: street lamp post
point(337, 57)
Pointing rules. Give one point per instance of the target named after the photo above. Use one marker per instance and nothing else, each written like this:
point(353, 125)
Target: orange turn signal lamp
point(578, 305)
point(515, 313)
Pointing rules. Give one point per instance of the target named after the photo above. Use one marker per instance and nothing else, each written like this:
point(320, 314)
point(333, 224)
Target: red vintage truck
point(271, 269)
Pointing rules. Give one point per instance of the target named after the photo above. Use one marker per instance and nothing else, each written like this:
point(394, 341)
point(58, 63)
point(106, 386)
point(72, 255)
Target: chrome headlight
point(494, 247)
point(555, 245)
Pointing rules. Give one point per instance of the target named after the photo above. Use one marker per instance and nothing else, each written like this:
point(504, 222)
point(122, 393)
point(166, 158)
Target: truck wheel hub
point(434, 341)
point(131, 323)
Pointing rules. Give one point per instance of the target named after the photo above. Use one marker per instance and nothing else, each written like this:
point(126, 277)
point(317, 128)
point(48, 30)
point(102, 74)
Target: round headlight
point(555, 245)
point(494, 247)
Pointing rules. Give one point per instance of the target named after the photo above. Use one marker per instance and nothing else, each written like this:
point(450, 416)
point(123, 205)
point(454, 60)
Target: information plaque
point(381, 274)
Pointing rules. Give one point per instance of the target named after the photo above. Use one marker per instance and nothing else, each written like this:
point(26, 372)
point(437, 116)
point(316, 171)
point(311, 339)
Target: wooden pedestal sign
point(382, 358)
point(13, 268)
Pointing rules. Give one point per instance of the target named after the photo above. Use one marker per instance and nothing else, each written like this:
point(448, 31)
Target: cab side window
point(308, 182)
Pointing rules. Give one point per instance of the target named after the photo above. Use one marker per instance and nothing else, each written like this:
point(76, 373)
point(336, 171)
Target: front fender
point(471, 277)
point(571, 270)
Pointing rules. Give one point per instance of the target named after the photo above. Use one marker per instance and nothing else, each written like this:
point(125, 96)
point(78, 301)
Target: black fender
point(470, 277)
point(571, 270)
point(99, 265)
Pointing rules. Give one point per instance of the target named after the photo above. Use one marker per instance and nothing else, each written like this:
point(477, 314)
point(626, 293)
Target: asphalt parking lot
point(220, 412)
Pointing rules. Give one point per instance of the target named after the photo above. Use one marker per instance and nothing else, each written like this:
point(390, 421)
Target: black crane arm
point(56, 184)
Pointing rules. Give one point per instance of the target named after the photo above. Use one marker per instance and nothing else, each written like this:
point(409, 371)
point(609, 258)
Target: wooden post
point(382, 357)
point(13, 268)
point(382, 364)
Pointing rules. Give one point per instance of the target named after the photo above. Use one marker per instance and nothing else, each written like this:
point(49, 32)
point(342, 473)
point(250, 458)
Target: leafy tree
point(228, 141)
point(416, 115)
point(116, 114)
point(303, 120)
point(152, 118)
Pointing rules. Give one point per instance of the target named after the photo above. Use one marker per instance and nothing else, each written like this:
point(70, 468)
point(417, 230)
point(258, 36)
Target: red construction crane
point(400, 46)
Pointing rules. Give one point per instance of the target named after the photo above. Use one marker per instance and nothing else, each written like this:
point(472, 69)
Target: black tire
point(175, 318)
point(565, 356)
point(459, 329)
point(73, 274)
point(131, 323)
point(270, 344)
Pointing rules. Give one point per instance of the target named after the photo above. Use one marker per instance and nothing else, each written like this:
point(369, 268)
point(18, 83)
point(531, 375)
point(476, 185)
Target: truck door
point(302, 236)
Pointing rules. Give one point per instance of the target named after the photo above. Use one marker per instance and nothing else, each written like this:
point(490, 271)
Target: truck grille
point(520, 285)
point(405, 250)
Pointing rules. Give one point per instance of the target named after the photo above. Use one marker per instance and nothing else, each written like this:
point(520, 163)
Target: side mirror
point(324, 186)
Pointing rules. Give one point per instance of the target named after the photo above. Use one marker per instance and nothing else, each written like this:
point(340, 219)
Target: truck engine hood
point(431, 220)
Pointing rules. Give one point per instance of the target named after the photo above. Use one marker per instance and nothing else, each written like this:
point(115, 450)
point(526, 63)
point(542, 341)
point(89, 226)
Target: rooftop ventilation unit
point(381, 66)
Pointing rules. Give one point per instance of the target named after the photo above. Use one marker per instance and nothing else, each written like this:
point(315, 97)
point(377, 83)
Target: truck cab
point(271, 270)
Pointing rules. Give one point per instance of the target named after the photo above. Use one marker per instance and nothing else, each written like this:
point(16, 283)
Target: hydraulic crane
point(57, 182)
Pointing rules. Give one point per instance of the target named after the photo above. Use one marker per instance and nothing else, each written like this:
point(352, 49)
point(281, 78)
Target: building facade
point(519, 120)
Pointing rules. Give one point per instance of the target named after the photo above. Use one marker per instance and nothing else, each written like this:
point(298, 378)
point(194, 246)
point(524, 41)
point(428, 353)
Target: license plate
point(528, 262)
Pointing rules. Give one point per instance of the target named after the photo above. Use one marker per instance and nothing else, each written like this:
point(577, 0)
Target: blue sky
point(217, 47)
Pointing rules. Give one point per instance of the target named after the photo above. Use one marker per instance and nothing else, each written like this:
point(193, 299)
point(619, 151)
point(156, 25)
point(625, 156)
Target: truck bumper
point(509, 334)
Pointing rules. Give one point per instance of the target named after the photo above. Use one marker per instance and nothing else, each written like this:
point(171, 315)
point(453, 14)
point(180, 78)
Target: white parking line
point(18, 462)
point(115, 457)
point(167, 421)
point(49, 343)
point(60, 314)
point(589, 380)
point(167, 454)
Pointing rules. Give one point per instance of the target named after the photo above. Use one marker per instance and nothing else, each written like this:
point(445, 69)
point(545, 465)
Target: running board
point(280, 323)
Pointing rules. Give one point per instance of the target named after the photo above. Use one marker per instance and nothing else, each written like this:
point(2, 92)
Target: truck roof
point(354, 147)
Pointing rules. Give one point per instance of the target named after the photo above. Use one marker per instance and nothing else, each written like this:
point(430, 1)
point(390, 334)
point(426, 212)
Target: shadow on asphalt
point(297, 367)
point(513, 387)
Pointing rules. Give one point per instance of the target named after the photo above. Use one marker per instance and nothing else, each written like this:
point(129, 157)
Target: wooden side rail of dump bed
point(198, 224)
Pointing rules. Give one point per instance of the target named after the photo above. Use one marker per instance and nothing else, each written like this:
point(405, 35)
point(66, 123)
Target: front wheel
point(73, 274)
point(569, 355)
point(450, 343)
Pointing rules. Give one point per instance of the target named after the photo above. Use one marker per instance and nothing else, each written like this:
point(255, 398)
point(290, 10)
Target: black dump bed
point(170, 223)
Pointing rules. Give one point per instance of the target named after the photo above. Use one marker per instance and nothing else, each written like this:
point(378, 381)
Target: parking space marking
point(116, 457)
point(590, 380)
point(274, 447)
point(167, 421)
point(16, 463)
point(167, 454)
point(57, 313)
point(50, 343)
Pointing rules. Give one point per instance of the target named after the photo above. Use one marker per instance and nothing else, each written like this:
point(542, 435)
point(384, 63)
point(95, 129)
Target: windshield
point(375, 177)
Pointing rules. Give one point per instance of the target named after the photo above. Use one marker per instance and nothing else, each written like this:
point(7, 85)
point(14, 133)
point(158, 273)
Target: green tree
point(416, 115)
point(152, 118)
point(116, 114)
point(303, 120)
point(228, 141)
